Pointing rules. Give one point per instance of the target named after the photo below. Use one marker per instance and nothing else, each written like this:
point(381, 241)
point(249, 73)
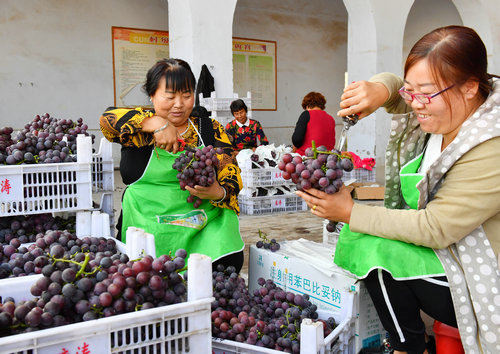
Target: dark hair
point(314, 99)
point(238, 105)
point(455, 54)
point(177, 73)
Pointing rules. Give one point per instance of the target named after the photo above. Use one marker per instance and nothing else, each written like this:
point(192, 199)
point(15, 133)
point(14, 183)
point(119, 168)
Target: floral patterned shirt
point(124, 126)
point(247, 137)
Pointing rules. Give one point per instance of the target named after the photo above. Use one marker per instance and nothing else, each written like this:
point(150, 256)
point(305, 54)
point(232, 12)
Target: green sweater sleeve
point(468, 197)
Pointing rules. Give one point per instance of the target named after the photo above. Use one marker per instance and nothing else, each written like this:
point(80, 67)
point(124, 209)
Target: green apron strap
point(409, 179)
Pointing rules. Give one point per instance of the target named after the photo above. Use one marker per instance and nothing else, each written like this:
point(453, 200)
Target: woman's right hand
point(362, 98)
point(167, 139)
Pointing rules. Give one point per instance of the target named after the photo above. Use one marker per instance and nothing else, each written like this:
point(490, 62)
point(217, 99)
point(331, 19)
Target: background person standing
point(313, 124)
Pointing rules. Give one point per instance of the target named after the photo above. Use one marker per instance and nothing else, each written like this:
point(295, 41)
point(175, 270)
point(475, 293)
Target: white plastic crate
point(306, 267)
point(45, 188)
point(340, 340)
point(263, 177)
point(18, 287)
point(175, 329)
point(102, 168)
point(179, 328)
point(215, 103)
point(272, 204)
point(360, 175)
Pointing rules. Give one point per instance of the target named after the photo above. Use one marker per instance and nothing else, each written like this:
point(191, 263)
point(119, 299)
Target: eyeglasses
point(420, 97)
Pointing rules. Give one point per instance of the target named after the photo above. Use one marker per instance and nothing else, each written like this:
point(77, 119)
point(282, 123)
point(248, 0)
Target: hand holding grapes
point(198, 174)
point(213, 192)
point(334, 207)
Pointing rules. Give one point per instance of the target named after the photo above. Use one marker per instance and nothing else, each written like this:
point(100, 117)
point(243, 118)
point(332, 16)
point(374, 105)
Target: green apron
point(156, 204)
point(360, 253)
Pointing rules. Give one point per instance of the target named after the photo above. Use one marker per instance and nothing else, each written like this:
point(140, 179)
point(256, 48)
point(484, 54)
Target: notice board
point(136, 50)
point(254, 70)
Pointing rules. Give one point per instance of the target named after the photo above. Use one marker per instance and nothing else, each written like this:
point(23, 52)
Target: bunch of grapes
point(89, 285)
point(267, 244)
point(44, 140)
point(269, 317)
point(197, 167)
point(20, 260)
point(319, 168)
point(26, 228)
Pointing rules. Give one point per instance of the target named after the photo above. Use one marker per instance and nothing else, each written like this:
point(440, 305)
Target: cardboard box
point(363, 191)
point(307, 267)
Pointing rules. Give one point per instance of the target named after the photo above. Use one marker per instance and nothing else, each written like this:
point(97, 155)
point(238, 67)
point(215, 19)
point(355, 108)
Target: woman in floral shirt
point(153, 199)
point(245, 133)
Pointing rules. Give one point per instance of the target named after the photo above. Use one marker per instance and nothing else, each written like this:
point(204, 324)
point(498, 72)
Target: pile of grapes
point(267, 244)
point(26, 228)
point(91, 285)
point(20, 260)
point(197, 167)
point(270, 317)
point(319, 168)
point(44, 140)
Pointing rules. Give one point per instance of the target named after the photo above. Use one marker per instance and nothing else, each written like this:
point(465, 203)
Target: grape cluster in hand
point(44, 140)
point(197, 167)
point(267, 244)
point(269, 317)
point(319, 168)
point(88, 285)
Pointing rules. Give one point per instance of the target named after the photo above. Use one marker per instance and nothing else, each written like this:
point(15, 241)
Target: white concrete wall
point(311, 40)
point(56, 56)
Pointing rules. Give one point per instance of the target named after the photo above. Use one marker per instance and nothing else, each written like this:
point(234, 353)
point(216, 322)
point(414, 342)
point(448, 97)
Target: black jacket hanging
point(205, 84)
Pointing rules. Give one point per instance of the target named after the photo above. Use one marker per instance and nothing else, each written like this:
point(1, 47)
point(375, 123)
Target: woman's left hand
point(334, 207)
point(212, 192)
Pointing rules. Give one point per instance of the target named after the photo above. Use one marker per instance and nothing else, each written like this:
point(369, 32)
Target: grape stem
point(82, 267)
point(263, 236)
point(316, 152)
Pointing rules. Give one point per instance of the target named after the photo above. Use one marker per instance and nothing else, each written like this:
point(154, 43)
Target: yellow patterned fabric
point(124, 126)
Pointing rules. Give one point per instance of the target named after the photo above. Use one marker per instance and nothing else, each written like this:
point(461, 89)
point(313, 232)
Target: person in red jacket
point(313, 124)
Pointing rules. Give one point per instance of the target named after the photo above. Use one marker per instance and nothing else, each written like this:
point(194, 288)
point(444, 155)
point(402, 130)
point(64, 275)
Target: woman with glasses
point(434, 246)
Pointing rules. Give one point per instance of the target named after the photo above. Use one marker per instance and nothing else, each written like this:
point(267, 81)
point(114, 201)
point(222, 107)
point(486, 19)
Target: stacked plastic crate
point(220, 106)
point(360, 175)
point(103, 183)
point(48, 188)
point(280, 198)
